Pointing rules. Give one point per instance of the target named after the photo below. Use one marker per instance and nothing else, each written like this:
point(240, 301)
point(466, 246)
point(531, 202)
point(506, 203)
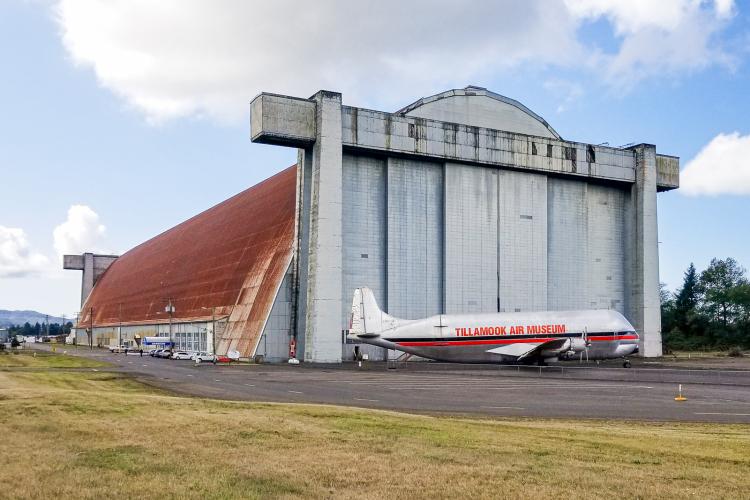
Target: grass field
point(42, 359)
point(97, 435)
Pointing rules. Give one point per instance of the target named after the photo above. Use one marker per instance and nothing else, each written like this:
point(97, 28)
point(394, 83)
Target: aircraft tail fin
point(367, 320)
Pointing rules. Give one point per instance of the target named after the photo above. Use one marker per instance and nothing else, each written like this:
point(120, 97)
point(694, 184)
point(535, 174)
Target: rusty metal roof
point(232, 257)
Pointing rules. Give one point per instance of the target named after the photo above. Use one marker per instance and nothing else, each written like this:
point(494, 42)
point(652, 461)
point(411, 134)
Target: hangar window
point(590, 154)
point(571, 153)
point(533, 148)
point(364, 256)
point(549, 150)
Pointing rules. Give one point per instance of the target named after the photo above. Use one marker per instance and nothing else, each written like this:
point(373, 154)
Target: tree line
point(39, 330)
point(710, 310)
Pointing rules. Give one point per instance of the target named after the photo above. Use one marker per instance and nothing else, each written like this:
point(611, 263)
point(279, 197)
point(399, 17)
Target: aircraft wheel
point(626, 364)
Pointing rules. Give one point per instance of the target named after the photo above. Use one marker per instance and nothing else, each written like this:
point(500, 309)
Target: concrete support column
point(324, 276)
point(645, 306)
point(302, 242)
point(92, 265)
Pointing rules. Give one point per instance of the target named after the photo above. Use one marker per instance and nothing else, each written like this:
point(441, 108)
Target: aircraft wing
point(525, 351)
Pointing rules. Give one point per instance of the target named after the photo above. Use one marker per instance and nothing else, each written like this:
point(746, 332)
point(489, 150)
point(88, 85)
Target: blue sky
point(98, 111)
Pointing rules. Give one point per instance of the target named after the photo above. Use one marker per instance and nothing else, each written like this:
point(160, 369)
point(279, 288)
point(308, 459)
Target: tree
point(716, 288)
point(686, 298)
point(686, 318)
point(740, 296)
point(667, 308)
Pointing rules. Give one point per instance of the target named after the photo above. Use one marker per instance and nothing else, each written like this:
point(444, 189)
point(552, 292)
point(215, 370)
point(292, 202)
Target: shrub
point(735, 352)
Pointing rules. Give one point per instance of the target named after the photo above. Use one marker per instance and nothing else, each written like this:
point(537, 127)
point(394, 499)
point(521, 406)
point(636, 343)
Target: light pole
point(170, 309)
point(213, 332)
point(91, 322)
point(75, 338)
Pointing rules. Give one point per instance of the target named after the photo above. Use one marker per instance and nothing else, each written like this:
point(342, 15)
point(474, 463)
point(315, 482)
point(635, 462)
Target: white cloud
point(658, 39)
point(177, 58)
point(16, 257)
point(569, 92)
point(81, 232)
point(721, 167)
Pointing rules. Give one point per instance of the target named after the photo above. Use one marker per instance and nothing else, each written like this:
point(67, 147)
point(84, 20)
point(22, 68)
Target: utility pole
point(46, 320)
point(213, 332)
point(119, 328)
point(91, 324)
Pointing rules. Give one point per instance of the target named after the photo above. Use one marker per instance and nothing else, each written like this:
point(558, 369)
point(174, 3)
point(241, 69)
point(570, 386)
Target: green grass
point(103, 435)
point(45, 359)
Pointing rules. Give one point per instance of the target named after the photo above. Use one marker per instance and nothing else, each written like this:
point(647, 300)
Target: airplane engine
point(578, 345)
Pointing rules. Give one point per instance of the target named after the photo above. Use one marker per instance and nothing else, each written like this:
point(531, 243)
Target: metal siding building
point(226, 264)
point(462, 202)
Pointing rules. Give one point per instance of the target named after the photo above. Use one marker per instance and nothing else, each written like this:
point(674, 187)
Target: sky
point(121, 119)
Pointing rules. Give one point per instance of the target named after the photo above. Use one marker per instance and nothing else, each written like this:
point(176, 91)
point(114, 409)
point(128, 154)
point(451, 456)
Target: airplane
point(505, 338)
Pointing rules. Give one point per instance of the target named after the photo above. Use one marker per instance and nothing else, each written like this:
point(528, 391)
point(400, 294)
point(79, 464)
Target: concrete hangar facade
point(465, 201)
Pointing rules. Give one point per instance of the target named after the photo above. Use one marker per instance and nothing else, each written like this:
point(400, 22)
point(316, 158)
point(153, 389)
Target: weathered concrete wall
point(471, 239)
point(606, 247)
point(274, 342)
point(324, 280)
point(644, 304)
point(415, 238)
point(93, 267)
point(567, 244)
point(283, 120)
point(522, 240)
point(364, 236)
point(667, 172)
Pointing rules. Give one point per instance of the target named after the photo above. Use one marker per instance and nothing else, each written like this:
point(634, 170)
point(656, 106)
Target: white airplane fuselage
point(496, 337)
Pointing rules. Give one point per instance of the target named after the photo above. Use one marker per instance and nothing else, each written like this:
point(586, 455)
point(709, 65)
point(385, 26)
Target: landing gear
point(626, 363)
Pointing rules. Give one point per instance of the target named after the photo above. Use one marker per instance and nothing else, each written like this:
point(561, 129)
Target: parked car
point(200, 357)
point(152, 352)
point(165, 353)
point(181, 355)
point(117, 348)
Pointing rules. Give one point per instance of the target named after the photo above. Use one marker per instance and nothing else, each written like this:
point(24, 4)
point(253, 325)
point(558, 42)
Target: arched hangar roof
point(479, 107)
point(232, 258)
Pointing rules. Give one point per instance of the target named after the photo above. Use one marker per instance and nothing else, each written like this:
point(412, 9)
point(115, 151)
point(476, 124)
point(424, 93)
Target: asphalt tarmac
point(573, 392)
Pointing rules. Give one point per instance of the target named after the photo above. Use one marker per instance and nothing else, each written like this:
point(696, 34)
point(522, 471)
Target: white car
point(200, 357)
point(181, 355)
point(117, 348)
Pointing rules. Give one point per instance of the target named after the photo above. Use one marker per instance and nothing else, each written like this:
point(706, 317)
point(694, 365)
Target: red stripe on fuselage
point(508, 341)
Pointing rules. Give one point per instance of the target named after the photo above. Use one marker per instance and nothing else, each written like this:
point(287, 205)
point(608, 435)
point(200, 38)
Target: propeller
point(586, 344)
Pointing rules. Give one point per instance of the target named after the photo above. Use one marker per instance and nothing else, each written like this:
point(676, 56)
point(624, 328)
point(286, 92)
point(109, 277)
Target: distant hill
point(9, 318)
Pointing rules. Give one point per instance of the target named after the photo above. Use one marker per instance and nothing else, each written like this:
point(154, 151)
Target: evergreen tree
point(685, 303)
point(687, 297)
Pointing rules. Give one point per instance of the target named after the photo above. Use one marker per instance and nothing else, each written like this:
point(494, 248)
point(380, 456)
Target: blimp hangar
point(465, 201)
